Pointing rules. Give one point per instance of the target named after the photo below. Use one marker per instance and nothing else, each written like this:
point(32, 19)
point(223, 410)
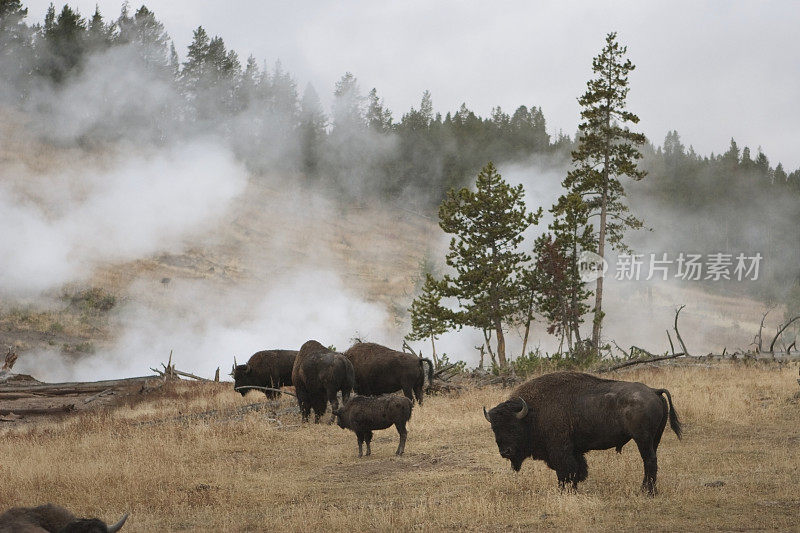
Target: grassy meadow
point(736, 469)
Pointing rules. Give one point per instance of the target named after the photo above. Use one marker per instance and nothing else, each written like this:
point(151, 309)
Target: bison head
point(241, 377)
point(92, 525)
point(337, 414)
point(511, 430)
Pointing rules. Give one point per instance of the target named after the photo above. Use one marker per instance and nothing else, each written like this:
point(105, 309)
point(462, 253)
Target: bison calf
point(46, 518)
point(364, 414)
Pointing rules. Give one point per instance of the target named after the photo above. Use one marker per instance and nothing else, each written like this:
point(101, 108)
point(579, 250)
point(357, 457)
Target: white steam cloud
point(139, 206)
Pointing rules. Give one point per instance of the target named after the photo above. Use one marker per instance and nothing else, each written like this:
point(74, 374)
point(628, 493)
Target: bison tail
point(674, 423)
point(423, 360)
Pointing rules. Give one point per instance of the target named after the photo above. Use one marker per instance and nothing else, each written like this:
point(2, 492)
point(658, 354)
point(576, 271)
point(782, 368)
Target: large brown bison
point(364, 414)
point(267, 368)
point(318, 375)
point(51, 518)
point(381, 370)
point(559, 417)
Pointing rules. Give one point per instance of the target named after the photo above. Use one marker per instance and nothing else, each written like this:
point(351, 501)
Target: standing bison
point(365, 414)
point(381, 370)
point(559, 417)
point(268, 368)
point(318, 375)
point(46, 518)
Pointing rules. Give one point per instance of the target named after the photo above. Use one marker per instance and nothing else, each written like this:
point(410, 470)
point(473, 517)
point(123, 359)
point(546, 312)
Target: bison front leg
point(401, 429)
point(360, 437)
point(650, 467)
point(570, 468)
point(303, 403)
point(368, 439)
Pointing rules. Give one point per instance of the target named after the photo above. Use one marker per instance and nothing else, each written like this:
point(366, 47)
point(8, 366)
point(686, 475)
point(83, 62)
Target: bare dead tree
point(627, 355)
point(11, 358)
point(757, 339)
point(671, 346)
point(781, 329)
point(482, 350)
point(677, 333)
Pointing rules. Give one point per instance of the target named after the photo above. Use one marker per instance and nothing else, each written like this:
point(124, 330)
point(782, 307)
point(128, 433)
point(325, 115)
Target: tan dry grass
point(742, 428)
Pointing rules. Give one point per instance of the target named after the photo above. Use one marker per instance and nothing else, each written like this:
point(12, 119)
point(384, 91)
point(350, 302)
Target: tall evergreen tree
point(487, 227)
point(348, 105)
point(312, 130)
point(378, 118)
point(607, 150)
point(62, 44)
point(16, 47)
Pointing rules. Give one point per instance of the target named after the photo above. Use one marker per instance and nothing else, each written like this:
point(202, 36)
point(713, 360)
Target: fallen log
point(66, 408)
point(247, 387)
point(639, 362)
point(74, 387)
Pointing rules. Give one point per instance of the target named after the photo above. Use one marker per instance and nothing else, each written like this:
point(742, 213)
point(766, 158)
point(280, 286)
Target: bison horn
point(486, 415)
point(524, 412)
point(116, 527)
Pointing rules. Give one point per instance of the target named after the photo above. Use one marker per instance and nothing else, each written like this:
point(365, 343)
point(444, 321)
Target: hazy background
point(213, 239)
point(711, 69)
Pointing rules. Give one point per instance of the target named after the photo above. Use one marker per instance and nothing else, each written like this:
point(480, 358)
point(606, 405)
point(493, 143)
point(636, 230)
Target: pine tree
point(16, 46)
point(195, 67)
point(174, 63)
point(63, 39)
point(348, 105)
point(312, 130)
point(561, 294)
point(429, 319)
point(378, 118)
point(607, 150)
point(487, 225)
point(99, 34)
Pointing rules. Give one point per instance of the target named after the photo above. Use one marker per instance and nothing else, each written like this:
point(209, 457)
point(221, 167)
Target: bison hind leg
point(401, 429)
point(650, 461)
point(418, 393)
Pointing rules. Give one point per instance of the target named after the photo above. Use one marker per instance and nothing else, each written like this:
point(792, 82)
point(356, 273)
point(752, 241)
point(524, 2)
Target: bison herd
point(555, 418)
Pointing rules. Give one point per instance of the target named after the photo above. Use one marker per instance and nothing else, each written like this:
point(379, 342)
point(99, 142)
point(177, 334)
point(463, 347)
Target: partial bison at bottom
point(364, 414)
point(559, 417)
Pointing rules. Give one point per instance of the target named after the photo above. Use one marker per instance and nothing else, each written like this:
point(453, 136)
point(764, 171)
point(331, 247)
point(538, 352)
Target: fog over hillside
point(229, 208)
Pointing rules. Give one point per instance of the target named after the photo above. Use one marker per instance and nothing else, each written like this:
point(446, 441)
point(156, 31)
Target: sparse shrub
point(444, 361)
point(536, 362)
point(94, 300)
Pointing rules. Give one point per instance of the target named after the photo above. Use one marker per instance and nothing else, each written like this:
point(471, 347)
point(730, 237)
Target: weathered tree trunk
point(501, 344)
point(601, 240)
point(525, 338)
point(433, 351)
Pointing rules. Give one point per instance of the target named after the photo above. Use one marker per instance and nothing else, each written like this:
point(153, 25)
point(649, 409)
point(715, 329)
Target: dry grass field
point(252, 473)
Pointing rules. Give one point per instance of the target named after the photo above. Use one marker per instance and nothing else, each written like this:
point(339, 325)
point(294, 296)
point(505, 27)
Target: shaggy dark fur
point(318, 374)
point(364, 414)
point(268, 368)
point(570, 413)
point(381, 370)
point(52, 518)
